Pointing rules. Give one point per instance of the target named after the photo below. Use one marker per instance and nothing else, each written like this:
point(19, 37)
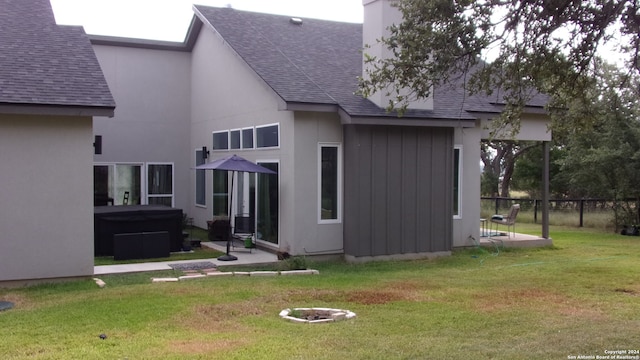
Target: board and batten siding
point(398, 190)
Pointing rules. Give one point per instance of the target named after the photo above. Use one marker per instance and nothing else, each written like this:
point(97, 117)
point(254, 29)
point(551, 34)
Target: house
point(51, 86)
point(352, 179)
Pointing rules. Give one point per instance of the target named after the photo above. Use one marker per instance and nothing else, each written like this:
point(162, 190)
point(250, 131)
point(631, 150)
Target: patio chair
point(219, 228)
point(508, 220)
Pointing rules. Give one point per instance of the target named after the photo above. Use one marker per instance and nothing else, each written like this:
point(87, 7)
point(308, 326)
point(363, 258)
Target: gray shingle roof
point(316, 62)
point(42, 63)
point(319, 62)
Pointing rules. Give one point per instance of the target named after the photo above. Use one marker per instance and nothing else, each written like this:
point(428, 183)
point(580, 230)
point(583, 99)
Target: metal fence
point(576, 207)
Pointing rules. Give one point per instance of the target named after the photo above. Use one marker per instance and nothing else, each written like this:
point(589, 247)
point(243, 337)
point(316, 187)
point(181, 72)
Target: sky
point(169, 19)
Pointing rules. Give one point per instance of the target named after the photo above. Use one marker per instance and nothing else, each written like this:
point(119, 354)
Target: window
point(221, 140)
point(160, 184)
point(457, 176)
point(268, 136)
point(329, 183)
point(235, 139)
point(220, 193)
point(201, 195)
point(247, 138)
point(117, 184)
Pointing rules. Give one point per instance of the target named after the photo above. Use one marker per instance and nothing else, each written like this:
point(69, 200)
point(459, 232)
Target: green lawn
point(581, 297)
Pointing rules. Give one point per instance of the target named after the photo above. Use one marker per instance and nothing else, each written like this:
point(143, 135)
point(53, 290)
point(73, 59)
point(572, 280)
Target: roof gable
point(320, 61)
point(44, 64)
point(313, 62)
point(270, 44)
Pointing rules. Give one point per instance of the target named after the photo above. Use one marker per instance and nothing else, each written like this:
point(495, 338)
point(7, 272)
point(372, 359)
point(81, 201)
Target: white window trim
point(338, 219)
point(173, 182)
point(255, 136)
point(460, 177)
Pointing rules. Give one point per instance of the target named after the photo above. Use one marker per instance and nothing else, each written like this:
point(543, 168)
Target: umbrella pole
point(227, 256)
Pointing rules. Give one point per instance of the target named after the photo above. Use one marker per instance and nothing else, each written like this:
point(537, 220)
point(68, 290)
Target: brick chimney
point(378, 16)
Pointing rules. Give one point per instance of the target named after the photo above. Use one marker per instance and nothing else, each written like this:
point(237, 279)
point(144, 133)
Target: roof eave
point(347, 119)
point(61, 110)
point(527, 109)
point(303, 106)
point(186, 45)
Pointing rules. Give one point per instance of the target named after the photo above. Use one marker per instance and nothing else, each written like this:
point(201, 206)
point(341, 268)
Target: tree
point(527, 175)
point(603, 155)
point(499, 158)
point(546, 46)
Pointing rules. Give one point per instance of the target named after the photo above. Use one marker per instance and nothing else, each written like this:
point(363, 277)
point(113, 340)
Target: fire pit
point(316, 315)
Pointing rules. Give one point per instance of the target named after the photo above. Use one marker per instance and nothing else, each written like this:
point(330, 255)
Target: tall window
point(201, 195)
point(329, 183)
point(235, 139)
point(268, 136)
point(247, 138)
point(457, 176)
point(220, 193)
point(268, 195)
point(160, 184)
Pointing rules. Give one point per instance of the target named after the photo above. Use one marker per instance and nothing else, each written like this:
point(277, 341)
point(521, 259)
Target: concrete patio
point(255, 257)
point(514, 240)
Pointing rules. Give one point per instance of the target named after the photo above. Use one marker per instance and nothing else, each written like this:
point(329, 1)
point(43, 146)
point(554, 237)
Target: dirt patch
point(369, 297)
point(393, 291)
point(543, 300)
point(217, 317)
point(321, 295)
point(390, 292)
point(397, 291)
point(627, 291)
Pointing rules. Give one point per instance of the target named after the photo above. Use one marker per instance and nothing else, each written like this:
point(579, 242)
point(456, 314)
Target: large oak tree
point(547, 46)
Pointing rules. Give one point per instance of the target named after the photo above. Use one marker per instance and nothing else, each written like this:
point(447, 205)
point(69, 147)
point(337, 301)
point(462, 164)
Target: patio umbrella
point(235, 164)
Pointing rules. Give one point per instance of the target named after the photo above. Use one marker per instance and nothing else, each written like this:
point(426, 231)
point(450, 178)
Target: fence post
point(497, 205)
point(581, 212)
point(535, 211)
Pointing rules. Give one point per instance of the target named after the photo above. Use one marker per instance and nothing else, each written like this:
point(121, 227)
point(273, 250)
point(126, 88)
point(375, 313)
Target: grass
point(197, 253)
point(580, 297)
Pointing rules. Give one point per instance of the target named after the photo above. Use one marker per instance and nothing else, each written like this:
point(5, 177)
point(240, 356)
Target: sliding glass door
point(268, 209)
point(258, 194)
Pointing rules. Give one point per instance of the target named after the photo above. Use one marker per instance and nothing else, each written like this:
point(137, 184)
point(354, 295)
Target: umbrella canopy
point(235, 163)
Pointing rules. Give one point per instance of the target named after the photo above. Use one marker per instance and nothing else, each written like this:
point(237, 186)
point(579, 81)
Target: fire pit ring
point(316, 315)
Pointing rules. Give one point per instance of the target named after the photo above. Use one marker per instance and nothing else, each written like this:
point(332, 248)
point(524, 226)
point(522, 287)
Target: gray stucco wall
point(311, 236)
point(46, 203)
point(151, 122)
point(398, 190)
point(466, 226)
